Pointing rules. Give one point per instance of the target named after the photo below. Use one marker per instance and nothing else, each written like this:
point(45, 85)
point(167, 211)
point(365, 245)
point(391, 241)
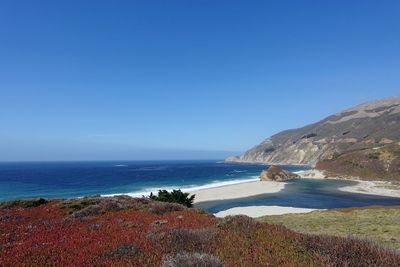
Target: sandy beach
point(238, 190)
point(262, 187)
point(258, 211)
point(381, 188)
point(246, 190)
point(312, 174)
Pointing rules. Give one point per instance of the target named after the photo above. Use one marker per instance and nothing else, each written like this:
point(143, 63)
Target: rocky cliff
point(369, 125)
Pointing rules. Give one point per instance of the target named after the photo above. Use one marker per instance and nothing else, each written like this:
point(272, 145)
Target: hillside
point(366, 126)
point(379, 162)
point(124, 231)
point(377, 223)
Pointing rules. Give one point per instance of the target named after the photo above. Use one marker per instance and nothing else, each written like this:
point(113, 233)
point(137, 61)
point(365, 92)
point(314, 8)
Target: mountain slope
point(372, 163)
point(368, 125)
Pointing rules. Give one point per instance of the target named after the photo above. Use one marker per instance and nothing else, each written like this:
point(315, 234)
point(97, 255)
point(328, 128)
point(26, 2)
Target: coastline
point(372, 187)
point(253, 188)
point(380, 188)
point(239, 190)
point(189, 189)
point(259, 211)
point(247, 189)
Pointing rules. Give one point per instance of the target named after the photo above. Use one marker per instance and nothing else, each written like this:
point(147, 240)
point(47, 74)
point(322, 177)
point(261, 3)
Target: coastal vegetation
point(175, 196)
point(377, 223)
point(125, 231)
point(369, 164)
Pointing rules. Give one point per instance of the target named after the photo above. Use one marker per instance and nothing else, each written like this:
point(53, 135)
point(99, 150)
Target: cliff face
point(365, 126)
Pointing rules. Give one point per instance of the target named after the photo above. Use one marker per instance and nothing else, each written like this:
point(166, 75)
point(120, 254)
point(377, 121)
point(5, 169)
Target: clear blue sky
point(184, 79)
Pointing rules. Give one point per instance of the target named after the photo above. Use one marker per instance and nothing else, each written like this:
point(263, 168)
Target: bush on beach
point(175, 196)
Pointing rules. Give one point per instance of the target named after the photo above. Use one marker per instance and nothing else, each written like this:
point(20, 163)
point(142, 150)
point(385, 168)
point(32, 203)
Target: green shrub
point(23, 203)
point(164, 207)
point(78, 204)
point(176, 196)
point(373, 156)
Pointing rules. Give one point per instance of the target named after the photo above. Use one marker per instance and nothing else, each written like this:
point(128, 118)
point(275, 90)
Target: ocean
point(136, 178)
point(139, 178)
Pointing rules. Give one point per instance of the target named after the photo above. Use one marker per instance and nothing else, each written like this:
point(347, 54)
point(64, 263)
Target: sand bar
point(238, 191)
point(380, 188)
point(258, 211)
point(313, 174)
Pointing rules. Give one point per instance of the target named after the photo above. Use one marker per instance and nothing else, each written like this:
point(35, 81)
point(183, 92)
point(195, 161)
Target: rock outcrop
point(276, 173)
point(365, 126)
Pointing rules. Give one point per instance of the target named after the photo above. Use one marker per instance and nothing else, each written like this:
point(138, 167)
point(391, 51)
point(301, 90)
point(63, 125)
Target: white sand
point(258, 211)
point(381, 188)
point(238, 190)
point(246, 190)
point(373, 188)
point(262, 187)
point(313, 174)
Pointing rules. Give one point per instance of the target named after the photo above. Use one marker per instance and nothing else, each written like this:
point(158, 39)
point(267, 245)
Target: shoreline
point(239, 190)
point(248, 189)
point(189, 189)
point(379, 188)
point(368, 187)
point(259, 211)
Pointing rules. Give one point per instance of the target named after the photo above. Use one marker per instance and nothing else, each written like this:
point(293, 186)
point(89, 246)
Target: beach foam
point(188, 188)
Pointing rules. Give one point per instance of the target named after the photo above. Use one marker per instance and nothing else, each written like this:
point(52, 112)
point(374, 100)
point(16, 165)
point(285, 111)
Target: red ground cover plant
point(123, 231)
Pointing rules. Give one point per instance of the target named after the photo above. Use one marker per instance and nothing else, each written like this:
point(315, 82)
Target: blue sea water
point(75, 179)
point(138, 178)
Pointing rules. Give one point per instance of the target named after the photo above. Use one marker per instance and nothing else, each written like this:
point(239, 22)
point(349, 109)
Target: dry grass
point(351, 251)
point(377, 223)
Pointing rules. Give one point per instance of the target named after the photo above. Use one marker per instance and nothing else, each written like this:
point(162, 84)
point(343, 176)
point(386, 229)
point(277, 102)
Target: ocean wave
point(120, 165)
point(186, 188)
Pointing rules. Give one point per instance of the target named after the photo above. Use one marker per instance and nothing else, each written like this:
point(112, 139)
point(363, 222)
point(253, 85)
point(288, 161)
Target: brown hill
point(373, 163)
point(365, 126)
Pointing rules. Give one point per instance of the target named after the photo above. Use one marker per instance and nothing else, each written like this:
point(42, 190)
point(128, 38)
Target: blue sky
point(184, 79)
